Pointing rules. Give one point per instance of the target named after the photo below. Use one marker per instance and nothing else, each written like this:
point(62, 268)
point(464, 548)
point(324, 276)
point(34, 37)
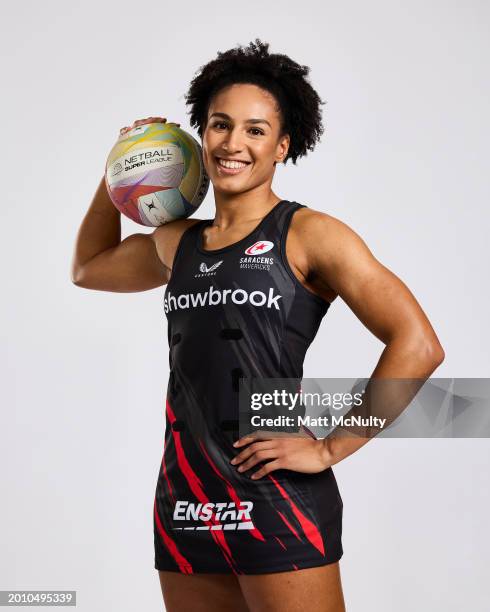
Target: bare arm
point(139, 262)
point(335, 261)
point(338, 257)
point(102, 261)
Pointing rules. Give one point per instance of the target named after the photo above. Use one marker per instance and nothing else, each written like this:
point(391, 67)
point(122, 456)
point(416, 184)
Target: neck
point(236, 209)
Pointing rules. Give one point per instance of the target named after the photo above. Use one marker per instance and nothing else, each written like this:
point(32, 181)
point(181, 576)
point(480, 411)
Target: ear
point(282, 148)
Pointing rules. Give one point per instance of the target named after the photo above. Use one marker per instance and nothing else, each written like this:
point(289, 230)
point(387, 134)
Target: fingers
point(257, 457)
point(256, 435)
point(253, 448)
point(139, 122)
point(149, 120)
point(267, 469)
point(245, 440)
point(255, 453)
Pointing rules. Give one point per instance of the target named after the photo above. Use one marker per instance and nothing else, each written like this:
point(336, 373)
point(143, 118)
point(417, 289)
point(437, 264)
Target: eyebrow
point(254, 121)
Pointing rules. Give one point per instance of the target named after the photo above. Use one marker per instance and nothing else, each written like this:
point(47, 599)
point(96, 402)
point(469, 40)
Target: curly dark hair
point(299, 104)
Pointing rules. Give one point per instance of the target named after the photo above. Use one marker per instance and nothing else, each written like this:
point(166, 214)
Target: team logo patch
point(205, 271)
point(259, 247)
point(213, 516)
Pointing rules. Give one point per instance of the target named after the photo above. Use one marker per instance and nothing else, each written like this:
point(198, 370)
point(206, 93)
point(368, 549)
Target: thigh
point(201, 592)
point(316, 588)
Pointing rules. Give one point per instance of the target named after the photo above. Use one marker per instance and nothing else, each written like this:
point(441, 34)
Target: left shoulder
point(329, 252)
point(320, 248)
point(316, 229)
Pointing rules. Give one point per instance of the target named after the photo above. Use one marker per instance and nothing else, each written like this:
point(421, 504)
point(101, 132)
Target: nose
point(232, 142)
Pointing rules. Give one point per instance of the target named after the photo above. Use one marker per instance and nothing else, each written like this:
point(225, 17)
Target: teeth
point(231, 164)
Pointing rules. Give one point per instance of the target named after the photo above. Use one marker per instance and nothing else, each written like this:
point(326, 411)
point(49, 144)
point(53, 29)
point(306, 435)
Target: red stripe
point(288, 524)
point(280, 542)
point(309, 528)
point(164, 466)
point(196, 487)
point(184, 565)
point(231, 491)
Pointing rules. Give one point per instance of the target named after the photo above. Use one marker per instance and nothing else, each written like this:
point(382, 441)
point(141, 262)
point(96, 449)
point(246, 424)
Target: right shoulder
point(167, 237)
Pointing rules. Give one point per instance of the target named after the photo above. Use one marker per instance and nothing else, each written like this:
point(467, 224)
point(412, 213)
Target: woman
point(250, 524)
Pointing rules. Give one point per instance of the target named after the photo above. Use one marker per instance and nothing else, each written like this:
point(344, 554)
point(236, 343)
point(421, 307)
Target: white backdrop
point(402, 161)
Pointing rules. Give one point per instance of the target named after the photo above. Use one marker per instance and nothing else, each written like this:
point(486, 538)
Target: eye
point(255, 131)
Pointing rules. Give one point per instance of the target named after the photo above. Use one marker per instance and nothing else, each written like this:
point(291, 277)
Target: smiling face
point(241, 140)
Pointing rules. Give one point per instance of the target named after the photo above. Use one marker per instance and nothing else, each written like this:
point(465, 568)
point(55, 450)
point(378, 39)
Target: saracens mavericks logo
point(215, 516)
point(255, 260)
point(259, 247)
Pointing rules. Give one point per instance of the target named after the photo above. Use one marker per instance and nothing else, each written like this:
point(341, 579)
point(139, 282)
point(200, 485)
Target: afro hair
point(299, 104)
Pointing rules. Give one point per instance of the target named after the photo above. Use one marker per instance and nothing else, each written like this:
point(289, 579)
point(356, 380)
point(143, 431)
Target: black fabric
point(235, 313)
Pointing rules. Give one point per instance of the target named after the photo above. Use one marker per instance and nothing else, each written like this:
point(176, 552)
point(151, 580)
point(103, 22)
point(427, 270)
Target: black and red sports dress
point(236, 312)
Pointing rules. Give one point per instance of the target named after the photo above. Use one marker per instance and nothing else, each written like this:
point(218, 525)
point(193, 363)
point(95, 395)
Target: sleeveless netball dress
point(236, 312)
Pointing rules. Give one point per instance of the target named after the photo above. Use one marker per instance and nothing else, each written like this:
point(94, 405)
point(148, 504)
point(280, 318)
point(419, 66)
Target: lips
point(230, 171)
